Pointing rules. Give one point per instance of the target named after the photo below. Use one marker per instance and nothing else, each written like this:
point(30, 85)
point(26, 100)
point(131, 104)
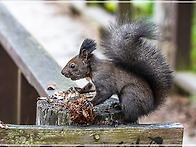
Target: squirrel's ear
point(87, 47)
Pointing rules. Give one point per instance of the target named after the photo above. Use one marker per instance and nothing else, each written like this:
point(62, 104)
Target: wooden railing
point(25, 71)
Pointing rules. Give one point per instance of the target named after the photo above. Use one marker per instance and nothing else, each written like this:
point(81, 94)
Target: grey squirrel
point(135, 70)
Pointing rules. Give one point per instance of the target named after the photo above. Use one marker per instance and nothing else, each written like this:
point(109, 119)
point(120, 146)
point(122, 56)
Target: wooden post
point(27, 97)
point(8, 88)
point(164, 17)
point(55, 114)
point(124, 9)
point(182, 34)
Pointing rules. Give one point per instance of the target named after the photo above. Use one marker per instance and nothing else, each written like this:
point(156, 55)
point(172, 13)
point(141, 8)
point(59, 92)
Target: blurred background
point(60, 26)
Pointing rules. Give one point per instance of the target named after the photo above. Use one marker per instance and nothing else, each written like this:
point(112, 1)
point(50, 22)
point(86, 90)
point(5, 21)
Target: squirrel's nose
point(63, 72)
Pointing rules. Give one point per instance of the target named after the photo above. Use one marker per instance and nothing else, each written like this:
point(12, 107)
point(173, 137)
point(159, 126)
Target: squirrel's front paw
point(93, 102)
point(71, 92)
point(75, 89)
point(78, 89)
point(116, 105)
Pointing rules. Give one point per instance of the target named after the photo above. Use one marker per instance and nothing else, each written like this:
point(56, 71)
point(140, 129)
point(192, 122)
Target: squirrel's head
point(79, 66)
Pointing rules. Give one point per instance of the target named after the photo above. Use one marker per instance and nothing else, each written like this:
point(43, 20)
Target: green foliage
point(192, 97)
point(141, 9)
point(108, 6)
point(193, 45)
point(111, 7)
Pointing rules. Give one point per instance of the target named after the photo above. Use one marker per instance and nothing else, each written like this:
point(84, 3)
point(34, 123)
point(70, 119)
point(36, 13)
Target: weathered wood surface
point(38, 67)
point(159, 134)
point(51, 114)
point(186, 81)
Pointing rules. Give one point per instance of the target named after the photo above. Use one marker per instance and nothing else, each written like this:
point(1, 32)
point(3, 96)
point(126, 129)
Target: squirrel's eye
point(72, 65)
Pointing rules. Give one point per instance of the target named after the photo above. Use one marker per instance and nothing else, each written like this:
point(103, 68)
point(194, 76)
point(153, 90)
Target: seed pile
point(78, 105)
point(81, 110)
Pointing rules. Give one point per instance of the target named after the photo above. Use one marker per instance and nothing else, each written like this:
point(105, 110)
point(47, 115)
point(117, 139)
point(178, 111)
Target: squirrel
point(134, 69)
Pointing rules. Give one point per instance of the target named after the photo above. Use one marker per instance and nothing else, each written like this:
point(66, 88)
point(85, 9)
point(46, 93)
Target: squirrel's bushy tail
point(128, 46)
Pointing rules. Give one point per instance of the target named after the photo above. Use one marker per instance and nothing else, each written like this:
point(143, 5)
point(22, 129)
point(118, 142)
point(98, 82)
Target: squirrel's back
point(127, 45)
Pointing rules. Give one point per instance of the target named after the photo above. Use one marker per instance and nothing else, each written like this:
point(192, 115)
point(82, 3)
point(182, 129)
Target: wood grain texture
point(168, 133)
point(38, 67)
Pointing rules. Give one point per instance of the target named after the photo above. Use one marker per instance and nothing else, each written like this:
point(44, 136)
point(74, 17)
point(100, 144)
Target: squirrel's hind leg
point(135, 103)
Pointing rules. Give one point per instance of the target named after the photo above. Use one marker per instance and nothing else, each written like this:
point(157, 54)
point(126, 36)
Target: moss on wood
point(170, 133)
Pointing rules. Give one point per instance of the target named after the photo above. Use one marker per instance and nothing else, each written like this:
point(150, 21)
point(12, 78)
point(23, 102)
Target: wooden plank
point(8, 88)
point(159, 134)
point(38, 67)
point(186, 81)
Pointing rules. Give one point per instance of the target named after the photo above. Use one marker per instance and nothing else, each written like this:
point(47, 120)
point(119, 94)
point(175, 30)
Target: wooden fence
point(26, 70)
